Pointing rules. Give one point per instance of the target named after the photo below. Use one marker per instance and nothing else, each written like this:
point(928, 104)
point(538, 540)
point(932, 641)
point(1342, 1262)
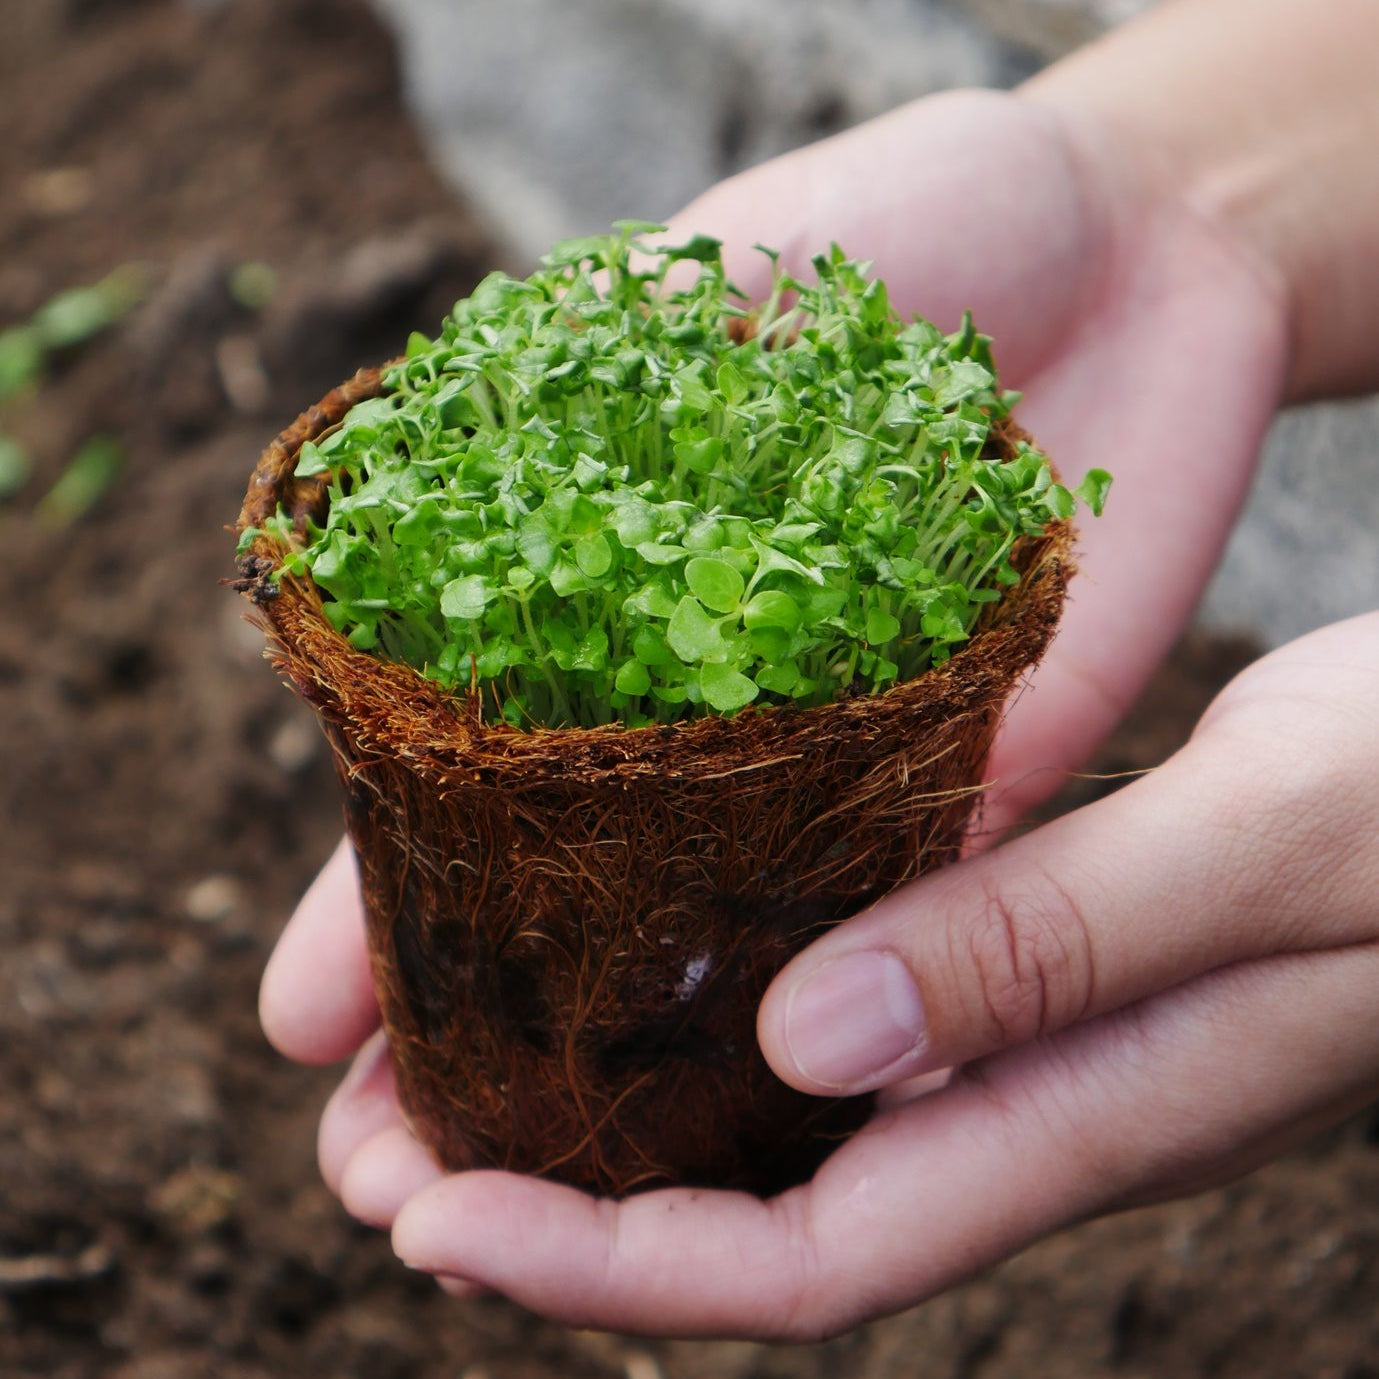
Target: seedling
point(84, 482)
point(605, 497)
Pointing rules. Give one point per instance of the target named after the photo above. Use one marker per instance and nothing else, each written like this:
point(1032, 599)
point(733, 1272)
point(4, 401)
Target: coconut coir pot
point(570, 929)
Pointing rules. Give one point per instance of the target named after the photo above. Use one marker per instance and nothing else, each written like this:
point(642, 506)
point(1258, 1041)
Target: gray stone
point(556, 119)
point(1305, 551)
point(1052, 27)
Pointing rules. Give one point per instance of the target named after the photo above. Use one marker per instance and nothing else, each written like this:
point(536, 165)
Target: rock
point(557, 119)
point(1304, 553)
point(213, 899)
point(1052, 27)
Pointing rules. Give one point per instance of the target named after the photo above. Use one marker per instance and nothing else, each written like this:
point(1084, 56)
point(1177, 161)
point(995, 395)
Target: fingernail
point(853, 1018)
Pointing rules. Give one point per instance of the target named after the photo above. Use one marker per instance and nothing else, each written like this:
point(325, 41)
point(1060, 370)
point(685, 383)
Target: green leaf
point(418, 526)
point(724, 689)
point(14, 467)
point(21, 360)
point(732, 384)
point(780, 679)
point(465, 599)
point(715, 583)
point(655, 553)
point(585, 249)
point(769, 559)
point(881, 627)
point(702, 249)
point(700, 456)
point(310, 462)
point(649, 647)
point(594, 555)
point(85, 481)
point(536, 545)
point(74, 316)
point(771, 608)
point(253, 285)
point(1060, 501)
point(1093, 490)
point(958, 381)
point(567, 579)
point(635, 229)
point(652, 600)
point(632, 678)
point(693, 635)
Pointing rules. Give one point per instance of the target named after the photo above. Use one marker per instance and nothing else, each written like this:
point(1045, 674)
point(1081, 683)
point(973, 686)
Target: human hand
point(1114, 307)
point(1144, 999)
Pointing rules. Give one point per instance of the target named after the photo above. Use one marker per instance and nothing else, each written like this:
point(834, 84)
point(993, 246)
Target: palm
point(1144, 345)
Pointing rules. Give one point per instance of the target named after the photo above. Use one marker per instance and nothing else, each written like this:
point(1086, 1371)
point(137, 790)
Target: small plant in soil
point(603, 498)
point(654, 631)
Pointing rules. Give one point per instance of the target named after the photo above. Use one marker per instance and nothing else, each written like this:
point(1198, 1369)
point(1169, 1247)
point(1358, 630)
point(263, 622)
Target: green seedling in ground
point(14, 467)
point(76, 315)
point(80, 486)
point(69, 318)
point(253, 285)
point(21, 360)
point(608, 496)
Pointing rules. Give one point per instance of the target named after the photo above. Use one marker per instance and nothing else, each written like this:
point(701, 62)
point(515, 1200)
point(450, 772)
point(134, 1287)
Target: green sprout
point(15, 466)
point(606, 493)
point(70, 317)
point(89, 473)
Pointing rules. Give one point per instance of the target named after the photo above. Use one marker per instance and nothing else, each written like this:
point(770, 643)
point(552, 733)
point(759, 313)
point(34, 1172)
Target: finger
point(382, 1173)
point(363, 1105)
point(1200, 1081)
point(1222, 855)
point(316, 1000)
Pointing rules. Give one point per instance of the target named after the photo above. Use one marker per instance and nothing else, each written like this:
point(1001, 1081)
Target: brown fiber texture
point(570, 929)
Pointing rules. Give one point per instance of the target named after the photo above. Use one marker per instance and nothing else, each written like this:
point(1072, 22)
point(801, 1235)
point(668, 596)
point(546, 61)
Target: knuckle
point(812, 1307)
point(1295, 824)
point(1029, 959)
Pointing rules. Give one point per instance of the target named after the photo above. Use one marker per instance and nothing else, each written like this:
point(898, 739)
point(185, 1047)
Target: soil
point(166, 800)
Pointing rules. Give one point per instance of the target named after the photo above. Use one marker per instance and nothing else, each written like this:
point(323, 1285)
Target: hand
point(1148, 342)
point(1145, 998)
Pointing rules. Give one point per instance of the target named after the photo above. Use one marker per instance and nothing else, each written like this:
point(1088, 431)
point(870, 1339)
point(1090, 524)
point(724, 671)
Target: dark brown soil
point(165, 800)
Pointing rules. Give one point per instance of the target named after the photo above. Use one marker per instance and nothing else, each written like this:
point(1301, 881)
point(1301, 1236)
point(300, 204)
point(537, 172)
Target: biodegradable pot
point(570, 929)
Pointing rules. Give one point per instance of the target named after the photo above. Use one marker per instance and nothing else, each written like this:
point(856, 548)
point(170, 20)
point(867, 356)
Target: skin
point(1154, 994)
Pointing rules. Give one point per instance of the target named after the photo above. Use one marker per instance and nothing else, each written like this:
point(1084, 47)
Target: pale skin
point(1168, 235)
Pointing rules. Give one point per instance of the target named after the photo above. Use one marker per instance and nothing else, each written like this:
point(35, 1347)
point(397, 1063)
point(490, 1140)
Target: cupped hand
point(1142, 999)
point(1121, 1050)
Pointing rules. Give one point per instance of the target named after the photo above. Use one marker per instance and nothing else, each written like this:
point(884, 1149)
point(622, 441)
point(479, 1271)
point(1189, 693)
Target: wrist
point(1261, 123)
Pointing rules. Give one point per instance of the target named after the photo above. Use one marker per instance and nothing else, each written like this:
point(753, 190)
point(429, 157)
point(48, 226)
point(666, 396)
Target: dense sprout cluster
point(611, 492)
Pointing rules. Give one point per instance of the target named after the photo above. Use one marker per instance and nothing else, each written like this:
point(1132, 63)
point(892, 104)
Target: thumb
point(1205, 862)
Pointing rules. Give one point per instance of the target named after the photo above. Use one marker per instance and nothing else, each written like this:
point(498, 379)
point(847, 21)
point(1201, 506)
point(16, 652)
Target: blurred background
point(210, 212)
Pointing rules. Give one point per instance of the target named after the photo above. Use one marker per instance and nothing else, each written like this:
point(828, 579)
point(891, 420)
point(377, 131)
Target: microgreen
point(613, 494)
